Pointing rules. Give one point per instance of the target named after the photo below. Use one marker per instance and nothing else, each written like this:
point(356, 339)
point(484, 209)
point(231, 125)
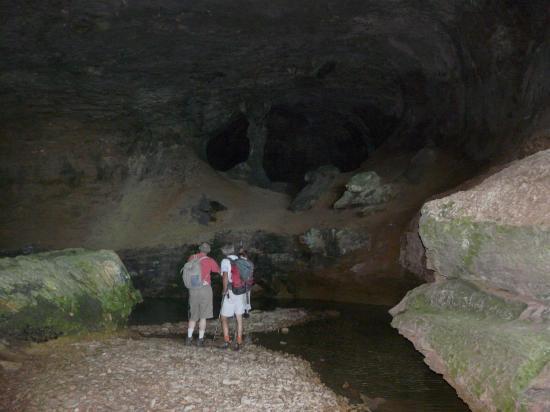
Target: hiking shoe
point(237, 347)
point(225, 345)
point(200, 342)
point(188, 341)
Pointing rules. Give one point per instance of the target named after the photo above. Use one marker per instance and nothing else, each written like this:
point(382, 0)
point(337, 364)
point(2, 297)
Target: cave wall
point(107, 108)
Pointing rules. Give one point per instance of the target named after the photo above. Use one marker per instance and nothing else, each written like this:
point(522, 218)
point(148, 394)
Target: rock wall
point(485, 324)
point(49, 294)
point(87, 115)
point(279, 259)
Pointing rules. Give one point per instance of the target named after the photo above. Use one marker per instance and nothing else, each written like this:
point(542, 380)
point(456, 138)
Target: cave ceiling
point(441, 69)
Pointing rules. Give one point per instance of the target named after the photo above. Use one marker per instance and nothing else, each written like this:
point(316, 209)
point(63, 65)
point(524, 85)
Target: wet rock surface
point(485, 323)
point(125, 373)
point(155, 271)
point(334, 242)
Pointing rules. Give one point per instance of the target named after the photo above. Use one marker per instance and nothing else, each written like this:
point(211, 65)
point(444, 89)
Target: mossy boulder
point(479, 343)
point(46, 295)
point(366, 189)
point(485, 323)
point(497, 233)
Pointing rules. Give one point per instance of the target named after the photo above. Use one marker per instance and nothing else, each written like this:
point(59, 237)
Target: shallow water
point(357, 354)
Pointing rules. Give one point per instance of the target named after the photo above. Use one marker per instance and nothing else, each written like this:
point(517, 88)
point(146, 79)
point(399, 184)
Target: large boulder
point(483, 344)
point(318, 182)
point(334, 242)
point(497, 233)
point(485, 325)
point(366, 189)
point(50, 294)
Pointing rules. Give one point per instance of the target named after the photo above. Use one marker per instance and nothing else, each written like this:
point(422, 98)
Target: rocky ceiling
point(443, 69)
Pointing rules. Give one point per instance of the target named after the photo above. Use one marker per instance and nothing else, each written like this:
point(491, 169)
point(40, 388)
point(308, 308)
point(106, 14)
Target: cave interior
point(148, 127)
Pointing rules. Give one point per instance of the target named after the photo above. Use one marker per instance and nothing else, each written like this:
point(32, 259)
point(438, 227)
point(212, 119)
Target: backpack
point(192, 274)
point(241, 275)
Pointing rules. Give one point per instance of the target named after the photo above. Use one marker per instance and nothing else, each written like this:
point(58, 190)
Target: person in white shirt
point(232, 304)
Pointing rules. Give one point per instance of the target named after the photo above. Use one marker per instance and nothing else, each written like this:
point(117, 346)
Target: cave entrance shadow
point(304, 137)
point(229, 146)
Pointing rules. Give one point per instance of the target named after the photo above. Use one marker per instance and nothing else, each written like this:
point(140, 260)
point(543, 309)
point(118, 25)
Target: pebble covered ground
point(259, 321)
point(129, 372)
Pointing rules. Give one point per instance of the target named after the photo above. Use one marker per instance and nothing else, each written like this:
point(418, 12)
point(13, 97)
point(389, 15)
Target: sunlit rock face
point(485, 324)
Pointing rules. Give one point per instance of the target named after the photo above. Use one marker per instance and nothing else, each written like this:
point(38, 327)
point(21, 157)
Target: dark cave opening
point(301, 139)
point(230, 146)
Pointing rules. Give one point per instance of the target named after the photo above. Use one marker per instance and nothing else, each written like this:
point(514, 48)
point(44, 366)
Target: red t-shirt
point(208, 266)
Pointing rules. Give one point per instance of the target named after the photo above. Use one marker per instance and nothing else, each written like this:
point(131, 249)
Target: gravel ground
point(259, 321)
point(129, 372)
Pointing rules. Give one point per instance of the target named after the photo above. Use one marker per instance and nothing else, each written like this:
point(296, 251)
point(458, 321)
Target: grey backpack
point(192, 274)
point(246, 270)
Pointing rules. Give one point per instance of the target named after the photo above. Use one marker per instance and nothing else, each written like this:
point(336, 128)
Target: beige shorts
point(200, 303)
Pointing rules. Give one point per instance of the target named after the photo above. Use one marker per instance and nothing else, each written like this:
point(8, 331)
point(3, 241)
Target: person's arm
point(225, 282)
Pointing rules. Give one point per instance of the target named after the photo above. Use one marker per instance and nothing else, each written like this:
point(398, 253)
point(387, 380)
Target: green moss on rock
point(512, 258)
point(461, 296)
point(477, 340)
point(46, 295)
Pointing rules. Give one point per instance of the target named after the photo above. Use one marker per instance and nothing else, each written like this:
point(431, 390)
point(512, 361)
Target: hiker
point(234, 300)
point(247, 306)
point(196, 277)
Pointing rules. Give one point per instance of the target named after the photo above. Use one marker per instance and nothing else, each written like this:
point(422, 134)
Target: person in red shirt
point(200, 300)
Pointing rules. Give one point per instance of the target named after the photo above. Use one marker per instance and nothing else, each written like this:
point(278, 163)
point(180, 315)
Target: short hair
point(228, 249)
point(204, 248)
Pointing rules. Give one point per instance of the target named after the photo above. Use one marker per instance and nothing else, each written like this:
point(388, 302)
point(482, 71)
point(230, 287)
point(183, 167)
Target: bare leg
point(191, 325)
point(225, 328)
point(239, 328)
point(202, 328)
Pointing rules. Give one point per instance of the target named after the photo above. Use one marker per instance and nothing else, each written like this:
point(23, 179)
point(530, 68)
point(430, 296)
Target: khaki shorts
point(200, 303)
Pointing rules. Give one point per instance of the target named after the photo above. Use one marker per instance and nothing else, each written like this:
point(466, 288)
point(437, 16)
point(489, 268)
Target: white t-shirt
point(226, 266)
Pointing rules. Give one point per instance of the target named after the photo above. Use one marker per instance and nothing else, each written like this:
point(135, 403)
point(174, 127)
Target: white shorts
point(233, 305)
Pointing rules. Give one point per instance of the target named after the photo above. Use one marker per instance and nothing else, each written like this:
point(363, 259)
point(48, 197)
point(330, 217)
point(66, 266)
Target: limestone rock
point(334, 242)
point(412, 255)
point(485, 324)
point(318, 182)
point(365, 189)
point(204, 212)
point(420, 164)
point(155, 270)
point(50, 294)
point(497, 233)
point(479, 344)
